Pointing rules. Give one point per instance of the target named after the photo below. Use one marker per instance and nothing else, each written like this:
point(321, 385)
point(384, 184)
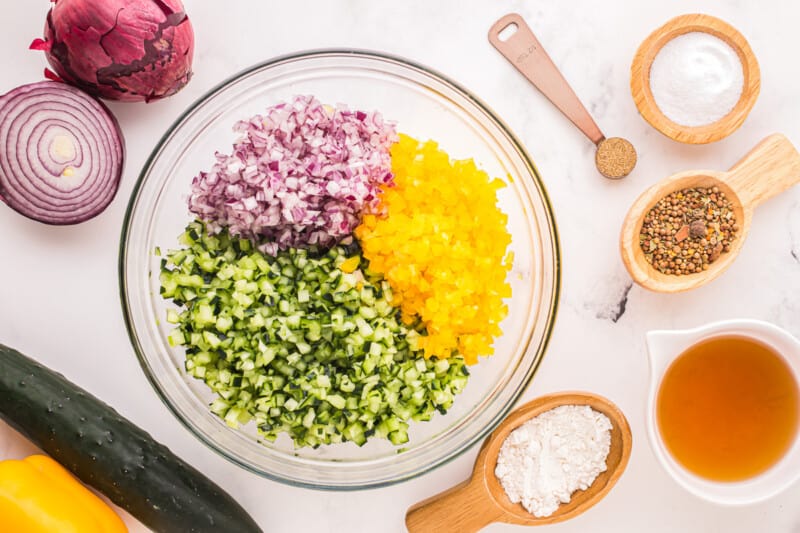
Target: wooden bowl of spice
point(594, 448)
point(687, 229)
point(695, 79)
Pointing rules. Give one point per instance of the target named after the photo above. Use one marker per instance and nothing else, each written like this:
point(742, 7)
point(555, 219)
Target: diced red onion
point(61, 153)
point(301, 175)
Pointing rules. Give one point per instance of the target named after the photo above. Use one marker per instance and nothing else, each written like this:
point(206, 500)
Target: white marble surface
point(58, 295)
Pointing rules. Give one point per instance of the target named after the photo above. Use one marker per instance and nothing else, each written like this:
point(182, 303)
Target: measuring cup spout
point(662, 347)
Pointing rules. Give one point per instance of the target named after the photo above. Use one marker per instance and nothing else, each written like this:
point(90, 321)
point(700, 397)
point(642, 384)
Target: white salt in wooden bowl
point(643, 95)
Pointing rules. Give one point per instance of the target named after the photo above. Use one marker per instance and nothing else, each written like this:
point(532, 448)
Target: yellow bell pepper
point(350, 264)
point(38, 495)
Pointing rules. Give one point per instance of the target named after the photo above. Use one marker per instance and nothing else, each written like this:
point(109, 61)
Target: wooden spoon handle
point(465, 508)
point(767, 170)
point(526, 53)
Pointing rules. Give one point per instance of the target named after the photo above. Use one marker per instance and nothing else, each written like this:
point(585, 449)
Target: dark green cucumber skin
point(110, 453)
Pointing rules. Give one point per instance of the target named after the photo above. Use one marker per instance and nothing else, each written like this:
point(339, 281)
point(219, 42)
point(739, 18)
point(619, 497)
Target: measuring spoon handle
point(526, 53)
point(465, 508)
point(770, 168)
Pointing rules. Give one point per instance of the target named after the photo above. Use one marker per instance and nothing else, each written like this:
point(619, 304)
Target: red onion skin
point(126, 50)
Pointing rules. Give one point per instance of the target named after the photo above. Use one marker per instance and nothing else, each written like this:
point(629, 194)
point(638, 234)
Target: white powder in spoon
point(696, 79)
point(546, 459)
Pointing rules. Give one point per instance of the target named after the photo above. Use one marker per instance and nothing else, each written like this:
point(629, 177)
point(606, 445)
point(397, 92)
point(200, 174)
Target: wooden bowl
point(481, 500)
point(770, 168)
point(643, 96)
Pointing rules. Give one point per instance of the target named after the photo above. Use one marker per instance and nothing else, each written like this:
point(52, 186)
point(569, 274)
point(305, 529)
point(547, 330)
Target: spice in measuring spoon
point(615, 157)
point(688, 230)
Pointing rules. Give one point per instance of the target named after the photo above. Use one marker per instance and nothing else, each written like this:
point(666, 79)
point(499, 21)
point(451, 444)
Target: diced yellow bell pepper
point(441, 242)
point(38, 495)
point(350, 264)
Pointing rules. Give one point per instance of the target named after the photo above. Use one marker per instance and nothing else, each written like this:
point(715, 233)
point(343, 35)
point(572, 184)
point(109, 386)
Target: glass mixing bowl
point(425, 105)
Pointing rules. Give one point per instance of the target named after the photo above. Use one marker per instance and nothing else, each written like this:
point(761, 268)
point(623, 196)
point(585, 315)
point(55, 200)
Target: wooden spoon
point(767, 170)
point(481, 500)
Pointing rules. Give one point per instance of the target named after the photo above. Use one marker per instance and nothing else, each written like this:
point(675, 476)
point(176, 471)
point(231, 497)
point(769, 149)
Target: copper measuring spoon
point(481, 500)
point(511, 36)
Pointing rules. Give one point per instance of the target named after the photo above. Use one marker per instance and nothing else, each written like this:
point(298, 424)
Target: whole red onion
point(128, 50)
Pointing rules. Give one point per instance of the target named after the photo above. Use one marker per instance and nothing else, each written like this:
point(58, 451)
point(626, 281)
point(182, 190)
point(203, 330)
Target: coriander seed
point(687, 230)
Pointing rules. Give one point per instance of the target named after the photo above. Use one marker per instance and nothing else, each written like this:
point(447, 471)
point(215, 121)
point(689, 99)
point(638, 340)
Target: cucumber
point(305, 343)
point(110, 453)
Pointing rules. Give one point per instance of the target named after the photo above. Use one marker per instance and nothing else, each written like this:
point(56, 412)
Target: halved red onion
point(61, 153)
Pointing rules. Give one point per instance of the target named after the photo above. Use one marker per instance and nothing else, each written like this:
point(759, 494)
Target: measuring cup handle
point(523, 50)
point(766, 171)
point(462, 509)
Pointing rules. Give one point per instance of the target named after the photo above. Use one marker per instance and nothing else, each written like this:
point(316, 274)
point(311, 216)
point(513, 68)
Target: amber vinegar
point(728, 408)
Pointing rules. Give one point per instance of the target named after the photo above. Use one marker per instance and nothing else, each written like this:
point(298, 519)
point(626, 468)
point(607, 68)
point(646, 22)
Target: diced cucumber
point(299, 345)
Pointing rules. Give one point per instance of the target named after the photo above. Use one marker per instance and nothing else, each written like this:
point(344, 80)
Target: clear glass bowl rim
point(368, 54)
